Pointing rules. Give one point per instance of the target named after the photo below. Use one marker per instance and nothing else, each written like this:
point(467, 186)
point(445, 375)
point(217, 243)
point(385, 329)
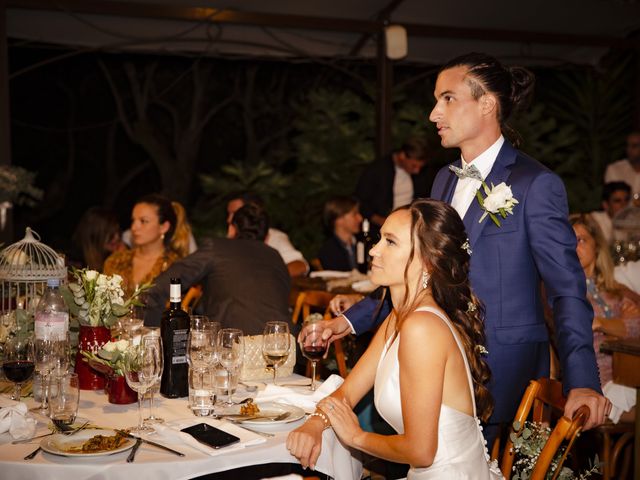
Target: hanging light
point(396, 40)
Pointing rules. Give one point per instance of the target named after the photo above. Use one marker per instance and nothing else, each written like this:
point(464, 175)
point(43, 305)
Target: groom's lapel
point(450, 185)
point(499, 173)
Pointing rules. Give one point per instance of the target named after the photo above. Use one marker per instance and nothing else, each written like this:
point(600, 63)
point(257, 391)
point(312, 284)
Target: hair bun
point(522, 83)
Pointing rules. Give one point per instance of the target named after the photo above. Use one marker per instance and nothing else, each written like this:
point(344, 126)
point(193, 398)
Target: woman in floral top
point(153, 222)
point(616, 308)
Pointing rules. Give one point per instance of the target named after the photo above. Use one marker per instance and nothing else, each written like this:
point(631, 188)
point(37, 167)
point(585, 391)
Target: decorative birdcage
point(25, 267)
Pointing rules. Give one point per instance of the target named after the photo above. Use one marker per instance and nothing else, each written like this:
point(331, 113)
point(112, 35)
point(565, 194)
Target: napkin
point(622, 399)
point(14, 419)
point(171, 434)
point(303, 398)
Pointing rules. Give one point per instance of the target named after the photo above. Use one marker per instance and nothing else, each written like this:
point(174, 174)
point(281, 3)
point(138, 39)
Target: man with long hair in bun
point(515, 212)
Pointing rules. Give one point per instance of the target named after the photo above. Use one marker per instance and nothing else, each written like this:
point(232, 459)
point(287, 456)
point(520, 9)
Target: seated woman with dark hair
point(96, 236)
point(342, 220)
point(153, 222)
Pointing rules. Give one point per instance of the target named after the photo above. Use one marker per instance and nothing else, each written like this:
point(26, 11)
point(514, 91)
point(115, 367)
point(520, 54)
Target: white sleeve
point(280, 241)
point(629, 275)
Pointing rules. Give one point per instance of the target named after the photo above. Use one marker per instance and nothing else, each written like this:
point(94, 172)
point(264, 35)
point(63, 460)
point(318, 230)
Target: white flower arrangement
point(499, 201)
point(97, 299)
point(109, 358)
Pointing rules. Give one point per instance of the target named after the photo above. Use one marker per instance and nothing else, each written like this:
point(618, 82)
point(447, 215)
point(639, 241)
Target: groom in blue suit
point(513, 249)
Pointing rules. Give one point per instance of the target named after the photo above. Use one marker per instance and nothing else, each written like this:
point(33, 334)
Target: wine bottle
point(363, 245)
point(174, 329)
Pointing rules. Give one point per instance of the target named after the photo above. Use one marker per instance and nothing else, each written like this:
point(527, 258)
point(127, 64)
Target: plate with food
point(87, 443)
point(265, 413)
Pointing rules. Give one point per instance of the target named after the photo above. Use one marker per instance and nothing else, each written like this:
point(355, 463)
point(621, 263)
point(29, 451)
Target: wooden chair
point(191, 298)
point(542, 399)
point(615, 438)
point(319, 301)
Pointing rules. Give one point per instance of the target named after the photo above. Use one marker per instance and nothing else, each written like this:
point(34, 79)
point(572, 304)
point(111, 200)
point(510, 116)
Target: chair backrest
point(542, 399)
point(319, 300)
point(308, 299)
point(191, 298)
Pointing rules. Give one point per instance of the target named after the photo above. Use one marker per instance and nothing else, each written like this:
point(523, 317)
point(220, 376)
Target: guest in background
point(628, 169)
point(615, 197)
point(342, 220)
point(616, 308)
point(153, 223)
point(96, 236)
point(245, 282)
point(183, 241)
point(394, 181)
point(295, 261)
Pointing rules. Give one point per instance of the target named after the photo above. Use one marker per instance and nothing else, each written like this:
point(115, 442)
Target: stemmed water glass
point(154, 339)
point(313, 347)
point(230, 348)
point(17, 363)
point(276, 345)
point(142, 368)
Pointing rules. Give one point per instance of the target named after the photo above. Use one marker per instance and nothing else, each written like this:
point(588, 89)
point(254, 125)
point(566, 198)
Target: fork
point(68, 434)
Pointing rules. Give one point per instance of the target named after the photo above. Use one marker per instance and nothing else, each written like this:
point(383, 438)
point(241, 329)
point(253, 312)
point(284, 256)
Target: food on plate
point(100, 443)
point(249, 408)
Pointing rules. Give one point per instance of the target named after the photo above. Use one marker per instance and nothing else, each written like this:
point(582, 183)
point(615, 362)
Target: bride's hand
point(305, 442)
point(343, 421)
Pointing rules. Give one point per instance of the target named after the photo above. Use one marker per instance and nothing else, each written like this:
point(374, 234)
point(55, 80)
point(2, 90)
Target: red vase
point(119, 392)
point(90, 339)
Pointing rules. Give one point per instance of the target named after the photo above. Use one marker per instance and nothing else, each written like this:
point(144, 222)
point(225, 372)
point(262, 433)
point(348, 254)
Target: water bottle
point(52, 313)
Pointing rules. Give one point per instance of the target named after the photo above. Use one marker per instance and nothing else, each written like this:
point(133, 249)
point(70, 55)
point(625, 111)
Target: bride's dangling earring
point(425, 279)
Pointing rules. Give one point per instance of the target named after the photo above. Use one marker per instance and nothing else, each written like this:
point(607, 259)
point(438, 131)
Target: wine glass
point(64, 397)
point(276, 344)
point(230, 348)
point(314, 347)
point(18, 362)
point(142, 368)
point(154, 339)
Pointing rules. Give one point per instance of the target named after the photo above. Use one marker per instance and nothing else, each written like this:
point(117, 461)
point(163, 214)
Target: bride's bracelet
point(325, 420)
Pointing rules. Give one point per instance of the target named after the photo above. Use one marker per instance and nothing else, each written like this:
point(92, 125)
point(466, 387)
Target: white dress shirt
point(279, 240)
point(402, 188)
point(466, 188)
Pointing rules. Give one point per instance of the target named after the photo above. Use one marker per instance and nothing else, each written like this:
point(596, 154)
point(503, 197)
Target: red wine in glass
point(18, 371)
point(314, 353)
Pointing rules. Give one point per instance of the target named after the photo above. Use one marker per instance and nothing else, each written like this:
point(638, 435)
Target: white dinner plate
point(59, 444)
point(272, 409)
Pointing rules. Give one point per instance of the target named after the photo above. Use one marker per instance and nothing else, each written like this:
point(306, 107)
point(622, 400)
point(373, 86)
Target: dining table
point(255, 449)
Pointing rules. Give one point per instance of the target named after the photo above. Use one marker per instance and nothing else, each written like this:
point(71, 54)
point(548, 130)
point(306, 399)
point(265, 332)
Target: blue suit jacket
point(535, 243)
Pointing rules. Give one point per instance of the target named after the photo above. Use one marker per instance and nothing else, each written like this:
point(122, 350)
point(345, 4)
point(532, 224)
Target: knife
point(135, 448)
point(149, 442)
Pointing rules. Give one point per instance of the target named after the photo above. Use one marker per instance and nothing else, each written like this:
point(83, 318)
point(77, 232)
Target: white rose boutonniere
point(499, 201)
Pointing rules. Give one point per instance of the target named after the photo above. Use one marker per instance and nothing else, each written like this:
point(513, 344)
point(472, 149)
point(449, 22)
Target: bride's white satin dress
point(461, 450)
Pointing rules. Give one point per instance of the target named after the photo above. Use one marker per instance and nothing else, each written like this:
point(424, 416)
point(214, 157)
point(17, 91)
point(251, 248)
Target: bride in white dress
point(425, 360)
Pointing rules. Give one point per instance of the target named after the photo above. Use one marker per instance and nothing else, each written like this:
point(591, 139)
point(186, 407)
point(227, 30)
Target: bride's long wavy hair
point(438, 236)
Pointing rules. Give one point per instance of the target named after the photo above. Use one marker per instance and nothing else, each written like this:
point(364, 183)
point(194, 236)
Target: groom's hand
point(599, 406)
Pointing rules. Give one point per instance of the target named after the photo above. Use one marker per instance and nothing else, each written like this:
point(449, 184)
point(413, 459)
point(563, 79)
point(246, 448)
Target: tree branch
point(122, 114)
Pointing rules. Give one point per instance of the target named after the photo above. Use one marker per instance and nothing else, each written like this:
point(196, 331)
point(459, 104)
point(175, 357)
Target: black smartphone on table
point(211, 436)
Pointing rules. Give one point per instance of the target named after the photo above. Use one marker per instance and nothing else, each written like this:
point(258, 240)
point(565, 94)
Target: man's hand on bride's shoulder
point(305, 442)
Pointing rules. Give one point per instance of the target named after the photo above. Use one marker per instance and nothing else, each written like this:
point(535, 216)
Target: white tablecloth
point(156, 464)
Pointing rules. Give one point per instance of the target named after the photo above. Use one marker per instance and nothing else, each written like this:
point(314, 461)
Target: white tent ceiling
point(532, 32)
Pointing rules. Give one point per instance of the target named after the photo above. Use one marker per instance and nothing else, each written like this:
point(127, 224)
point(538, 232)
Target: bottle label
point(51, 325)
point(179, 353)
point(360, 253)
